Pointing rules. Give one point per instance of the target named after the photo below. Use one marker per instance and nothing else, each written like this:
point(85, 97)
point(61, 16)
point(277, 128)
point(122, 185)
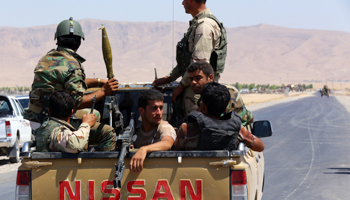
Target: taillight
point(23, 185)
point(239, 185)
point(8, 128)
point(239, 177)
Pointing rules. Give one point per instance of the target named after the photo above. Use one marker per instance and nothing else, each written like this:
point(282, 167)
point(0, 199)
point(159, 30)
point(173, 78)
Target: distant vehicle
point(244, 91)
point(319, 89)
point(254, 90)
point(14, 129)
point(24, 101)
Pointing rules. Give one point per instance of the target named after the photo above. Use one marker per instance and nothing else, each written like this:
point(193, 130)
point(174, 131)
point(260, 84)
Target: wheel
point(16, 158)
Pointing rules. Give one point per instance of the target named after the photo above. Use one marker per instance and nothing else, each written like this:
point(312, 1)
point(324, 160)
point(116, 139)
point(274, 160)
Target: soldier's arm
point(250, 140)
point(107, 89)
point(95, 82)
point(64, 140)
point(172, 76)
point(136, 163)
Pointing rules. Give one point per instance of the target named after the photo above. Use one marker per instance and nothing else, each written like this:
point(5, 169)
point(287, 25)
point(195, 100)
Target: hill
point(256, 54)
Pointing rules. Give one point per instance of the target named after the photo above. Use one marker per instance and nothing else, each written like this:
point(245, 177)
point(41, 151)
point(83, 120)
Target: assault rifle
point(125, 139)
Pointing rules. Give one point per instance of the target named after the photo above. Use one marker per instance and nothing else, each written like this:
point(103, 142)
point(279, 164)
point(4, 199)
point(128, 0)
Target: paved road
point(8, 185)
point(308, 157)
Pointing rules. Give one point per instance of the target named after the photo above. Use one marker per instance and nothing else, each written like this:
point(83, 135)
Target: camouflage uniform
point(202, 41)
point(236, 104)
point(65, 138)
point(58, 69)
point(61, 69)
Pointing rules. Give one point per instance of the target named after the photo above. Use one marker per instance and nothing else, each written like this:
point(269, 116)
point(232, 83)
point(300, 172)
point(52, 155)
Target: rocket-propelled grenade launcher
point(107, 52)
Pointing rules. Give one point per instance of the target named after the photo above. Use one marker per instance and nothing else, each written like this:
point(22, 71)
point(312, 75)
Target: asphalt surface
point(308, 156)
point(8, 185)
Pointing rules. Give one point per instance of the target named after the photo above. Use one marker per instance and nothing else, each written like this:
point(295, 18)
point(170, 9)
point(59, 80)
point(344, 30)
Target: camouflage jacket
point(59, 69)
point(236, 104)
point(65, 138)
point(201, 43)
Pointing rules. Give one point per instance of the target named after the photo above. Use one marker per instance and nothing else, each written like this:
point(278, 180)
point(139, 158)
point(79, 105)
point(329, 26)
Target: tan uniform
point(65, 138)
point(202, 42)
point(162, 130)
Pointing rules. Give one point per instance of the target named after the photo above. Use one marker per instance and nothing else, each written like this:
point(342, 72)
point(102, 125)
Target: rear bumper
point(6, 142)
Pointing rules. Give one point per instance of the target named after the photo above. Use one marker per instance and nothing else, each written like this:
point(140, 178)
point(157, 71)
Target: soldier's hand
point(160, 81)
point(110, 86)
point(90, 119)
point(136, 162)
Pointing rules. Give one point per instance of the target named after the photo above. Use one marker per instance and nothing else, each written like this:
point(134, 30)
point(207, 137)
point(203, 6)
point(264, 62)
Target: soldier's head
point(150, 105)
point(215, 98)
point(200, 73)
point(61, 104)
point(69, 34)
point(193, 7)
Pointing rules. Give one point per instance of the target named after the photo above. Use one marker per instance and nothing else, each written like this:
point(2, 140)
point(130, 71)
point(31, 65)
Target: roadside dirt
point(252, 99)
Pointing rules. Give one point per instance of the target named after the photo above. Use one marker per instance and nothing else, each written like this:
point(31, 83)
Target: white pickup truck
point(14, 130)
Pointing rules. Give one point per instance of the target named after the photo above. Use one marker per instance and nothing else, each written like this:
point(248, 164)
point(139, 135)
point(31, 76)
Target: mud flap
point(11, 151)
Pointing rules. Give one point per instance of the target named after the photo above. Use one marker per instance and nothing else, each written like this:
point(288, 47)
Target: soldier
point(61, 68)
point(201, 73)
point(210, 130)
point(205, 40)
point(154, 134)
point(56, 134)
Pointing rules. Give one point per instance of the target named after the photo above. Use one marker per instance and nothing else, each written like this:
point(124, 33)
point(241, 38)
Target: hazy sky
point(305, 14)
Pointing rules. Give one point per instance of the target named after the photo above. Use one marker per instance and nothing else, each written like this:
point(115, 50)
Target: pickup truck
point(218, 174)
point(14, 130)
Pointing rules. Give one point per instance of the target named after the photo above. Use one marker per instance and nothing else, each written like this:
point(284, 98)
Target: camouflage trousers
point(101, 135)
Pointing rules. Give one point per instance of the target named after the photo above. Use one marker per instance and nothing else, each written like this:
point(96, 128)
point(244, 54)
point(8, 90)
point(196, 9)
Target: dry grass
point(251, 99)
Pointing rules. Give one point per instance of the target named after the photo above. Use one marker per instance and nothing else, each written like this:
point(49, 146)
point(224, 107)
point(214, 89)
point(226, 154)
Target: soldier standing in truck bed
point(205, 40)
point(62, 68)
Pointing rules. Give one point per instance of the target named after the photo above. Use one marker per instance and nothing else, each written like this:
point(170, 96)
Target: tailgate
point(2, 129)
point(163, 177)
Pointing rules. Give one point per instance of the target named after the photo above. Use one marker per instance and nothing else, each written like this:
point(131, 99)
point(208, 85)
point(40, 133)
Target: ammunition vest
point(217, 57)
point(43, 133)
point(217, 134)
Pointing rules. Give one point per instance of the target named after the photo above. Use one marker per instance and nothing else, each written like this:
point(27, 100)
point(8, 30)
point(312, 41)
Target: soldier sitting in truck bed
point(154, 134)
point(201, 73)
point(56, 134)
point(207, 129)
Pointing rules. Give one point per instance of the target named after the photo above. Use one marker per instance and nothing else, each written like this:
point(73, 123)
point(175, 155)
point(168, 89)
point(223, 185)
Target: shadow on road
point(338, 171)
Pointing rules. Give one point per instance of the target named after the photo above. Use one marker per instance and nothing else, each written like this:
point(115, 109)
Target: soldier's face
point(153, 113)
point(185, 3)
point(198, 80)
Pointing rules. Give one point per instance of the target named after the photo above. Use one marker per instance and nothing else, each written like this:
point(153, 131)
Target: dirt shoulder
point(253, 99)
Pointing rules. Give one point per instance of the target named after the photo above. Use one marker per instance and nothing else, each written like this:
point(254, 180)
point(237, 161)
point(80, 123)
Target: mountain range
point(257, 54)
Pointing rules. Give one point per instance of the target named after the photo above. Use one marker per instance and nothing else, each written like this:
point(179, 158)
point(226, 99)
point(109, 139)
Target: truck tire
point(16, 159)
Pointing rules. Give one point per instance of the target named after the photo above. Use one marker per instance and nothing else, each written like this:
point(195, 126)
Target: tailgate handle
point(224, 163)
point(36, 164)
